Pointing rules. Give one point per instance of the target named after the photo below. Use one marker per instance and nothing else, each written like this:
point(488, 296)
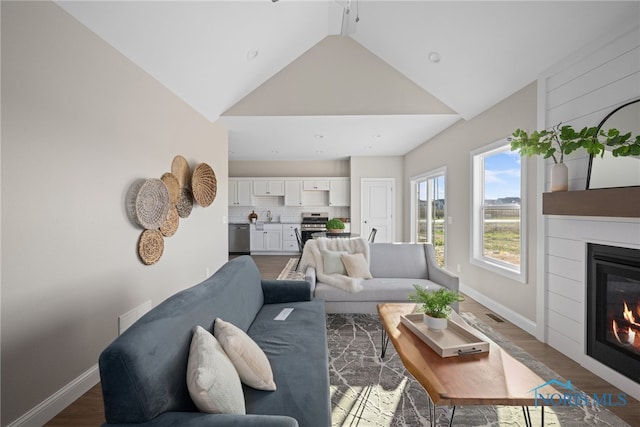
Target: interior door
point(378, 207)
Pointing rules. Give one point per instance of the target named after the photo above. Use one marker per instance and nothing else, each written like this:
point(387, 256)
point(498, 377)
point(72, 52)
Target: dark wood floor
point(88, 410)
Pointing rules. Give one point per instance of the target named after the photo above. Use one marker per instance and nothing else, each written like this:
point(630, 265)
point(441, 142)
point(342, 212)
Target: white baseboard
point(55, 403)
point(513, 317)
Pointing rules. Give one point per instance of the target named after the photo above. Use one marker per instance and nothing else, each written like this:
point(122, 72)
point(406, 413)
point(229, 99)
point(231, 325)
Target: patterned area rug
point(289, 271)
point(368, 391)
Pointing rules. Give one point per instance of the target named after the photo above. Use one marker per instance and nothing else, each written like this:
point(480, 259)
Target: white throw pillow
point(356, 266)
point(249, 359)
point(212, 380)
point(332, 263)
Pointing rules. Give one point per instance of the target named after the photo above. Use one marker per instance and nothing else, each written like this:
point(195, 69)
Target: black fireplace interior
point(613, 308)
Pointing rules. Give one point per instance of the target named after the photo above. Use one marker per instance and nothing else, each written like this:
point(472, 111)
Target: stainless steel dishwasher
point(239, 239)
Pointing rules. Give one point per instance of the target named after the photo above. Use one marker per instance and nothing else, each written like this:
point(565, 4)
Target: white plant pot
point(435, 323)
point(559, 177)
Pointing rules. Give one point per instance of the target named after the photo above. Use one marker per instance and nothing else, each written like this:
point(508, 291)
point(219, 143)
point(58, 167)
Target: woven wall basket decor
point(170, 226)
point(180, 169)
point(204, 184)
point(185, 203)
point(150, 246)
point(173, 186)
point(152, 204)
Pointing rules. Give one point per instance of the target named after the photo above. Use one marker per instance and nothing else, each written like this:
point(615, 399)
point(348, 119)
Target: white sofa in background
point(394, 267)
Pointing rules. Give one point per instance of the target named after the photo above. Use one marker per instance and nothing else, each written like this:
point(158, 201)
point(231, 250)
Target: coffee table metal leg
point(527, 416)
point(432, 412)
point(385, 343)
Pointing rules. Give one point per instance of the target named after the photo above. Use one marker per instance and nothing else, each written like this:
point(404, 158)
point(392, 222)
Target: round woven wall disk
point(152, 204)
point(204, 184)
point(173, 186)
point(185, 203)
point(170, 226)
point(180, 169)
point(150, 246)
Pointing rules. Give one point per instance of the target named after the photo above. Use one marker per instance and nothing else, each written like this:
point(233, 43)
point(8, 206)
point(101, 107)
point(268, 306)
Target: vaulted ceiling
point(301, 79)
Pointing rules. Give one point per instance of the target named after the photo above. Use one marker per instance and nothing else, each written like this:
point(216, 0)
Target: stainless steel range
point(312, 222)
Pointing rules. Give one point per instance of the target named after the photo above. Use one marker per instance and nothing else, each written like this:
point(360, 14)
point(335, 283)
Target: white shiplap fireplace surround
point(581, 91)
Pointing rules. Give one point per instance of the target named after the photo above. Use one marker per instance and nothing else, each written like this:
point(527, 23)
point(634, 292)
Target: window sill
point(487, 264)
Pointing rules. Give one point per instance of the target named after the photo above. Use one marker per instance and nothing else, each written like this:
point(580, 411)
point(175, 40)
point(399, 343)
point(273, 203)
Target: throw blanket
point(312, 257)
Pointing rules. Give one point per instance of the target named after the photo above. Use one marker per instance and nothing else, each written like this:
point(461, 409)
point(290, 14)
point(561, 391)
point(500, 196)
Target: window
point(428, 211)
point(498, 209)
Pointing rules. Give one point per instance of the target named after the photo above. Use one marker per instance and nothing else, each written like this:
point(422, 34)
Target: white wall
point(452, 148)
point(581, 91)
point(81, 123)
point(289, 168)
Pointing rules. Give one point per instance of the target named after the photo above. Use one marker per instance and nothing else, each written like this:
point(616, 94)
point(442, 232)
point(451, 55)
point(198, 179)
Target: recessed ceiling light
point(376, 135)
point(252, 54)
point(318, 136)
point(434, 57)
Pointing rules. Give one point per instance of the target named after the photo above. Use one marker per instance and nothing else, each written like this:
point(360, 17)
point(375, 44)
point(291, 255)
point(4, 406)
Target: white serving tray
point(455, 340)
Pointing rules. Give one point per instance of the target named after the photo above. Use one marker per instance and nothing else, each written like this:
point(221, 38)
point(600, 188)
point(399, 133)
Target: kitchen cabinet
point(240, 192)
point(315, 185)
point(339, 192)
point(268, 187)
point(268, 239)
point(289, 241)
point(293, 193)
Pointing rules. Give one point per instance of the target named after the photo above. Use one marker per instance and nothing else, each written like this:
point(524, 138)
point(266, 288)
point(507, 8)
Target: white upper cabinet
point(339, 192)
point(293, 193)
point(315, 185)
point(240, 192)
point(268, 187)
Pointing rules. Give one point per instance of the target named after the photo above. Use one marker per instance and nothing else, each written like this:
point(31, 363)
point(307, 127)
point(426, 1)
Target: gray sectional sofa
point(143, 372)
point(395, 268)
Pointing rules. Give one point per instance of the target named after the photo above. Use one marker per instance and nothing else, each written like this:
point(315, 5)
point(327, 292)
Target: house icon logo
point(565, 394)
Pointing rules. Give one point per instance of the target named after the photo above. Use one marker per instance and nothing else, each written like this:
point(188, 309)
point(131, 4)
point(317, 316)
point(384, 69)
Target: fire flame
point(627, 335)
point(628, 314)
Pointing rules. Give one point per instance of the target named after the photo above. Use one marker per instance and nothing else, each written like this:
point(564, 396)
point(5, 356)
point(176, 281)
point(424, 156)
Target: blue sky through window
point(502, 175)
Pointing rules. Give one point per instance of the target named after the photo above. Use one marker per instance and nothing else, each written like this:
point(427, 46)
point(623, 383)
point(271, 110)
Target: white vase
point(559, 177)
point(435, 323)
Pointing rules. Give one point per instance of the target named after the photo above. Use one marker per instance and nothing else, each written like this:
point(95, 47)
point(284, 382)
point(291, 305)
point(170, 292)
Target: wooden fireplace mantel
point(620, 202)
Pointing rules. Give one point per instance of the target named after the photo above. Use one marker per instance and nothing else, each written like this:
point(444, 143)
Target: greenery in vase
point(335, 224)
point(436, 303)
point(561, 140)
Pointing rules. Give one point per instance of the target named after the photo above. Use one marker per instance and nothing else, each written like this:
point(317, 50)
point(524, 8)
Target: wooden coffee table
point(493, 378)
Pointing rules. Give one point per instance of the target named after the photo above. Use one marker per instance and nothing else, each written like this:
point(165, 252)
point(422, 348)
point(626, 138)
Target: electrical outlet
point(458, 268)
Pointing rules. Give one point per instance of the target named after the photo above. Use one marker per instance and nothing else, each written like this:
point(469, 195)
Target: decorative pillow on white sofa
point(212, 380)
point(332, 262)
point(249, 360)
point(356, 266)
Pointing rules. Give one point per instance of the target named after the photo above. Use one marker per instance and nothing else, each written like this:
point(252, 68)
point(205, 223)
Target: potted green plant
point(436, 305)
point(561, 140)
point(335, 225)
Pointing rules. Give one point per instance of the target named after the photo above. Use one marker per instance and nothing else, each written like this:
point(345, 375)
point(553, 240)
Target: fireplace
point(613, 308)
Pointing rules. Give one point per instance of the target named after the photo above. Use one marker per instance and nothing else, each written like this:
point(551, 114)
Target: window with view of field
point(429, 211)
point(498, 224)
